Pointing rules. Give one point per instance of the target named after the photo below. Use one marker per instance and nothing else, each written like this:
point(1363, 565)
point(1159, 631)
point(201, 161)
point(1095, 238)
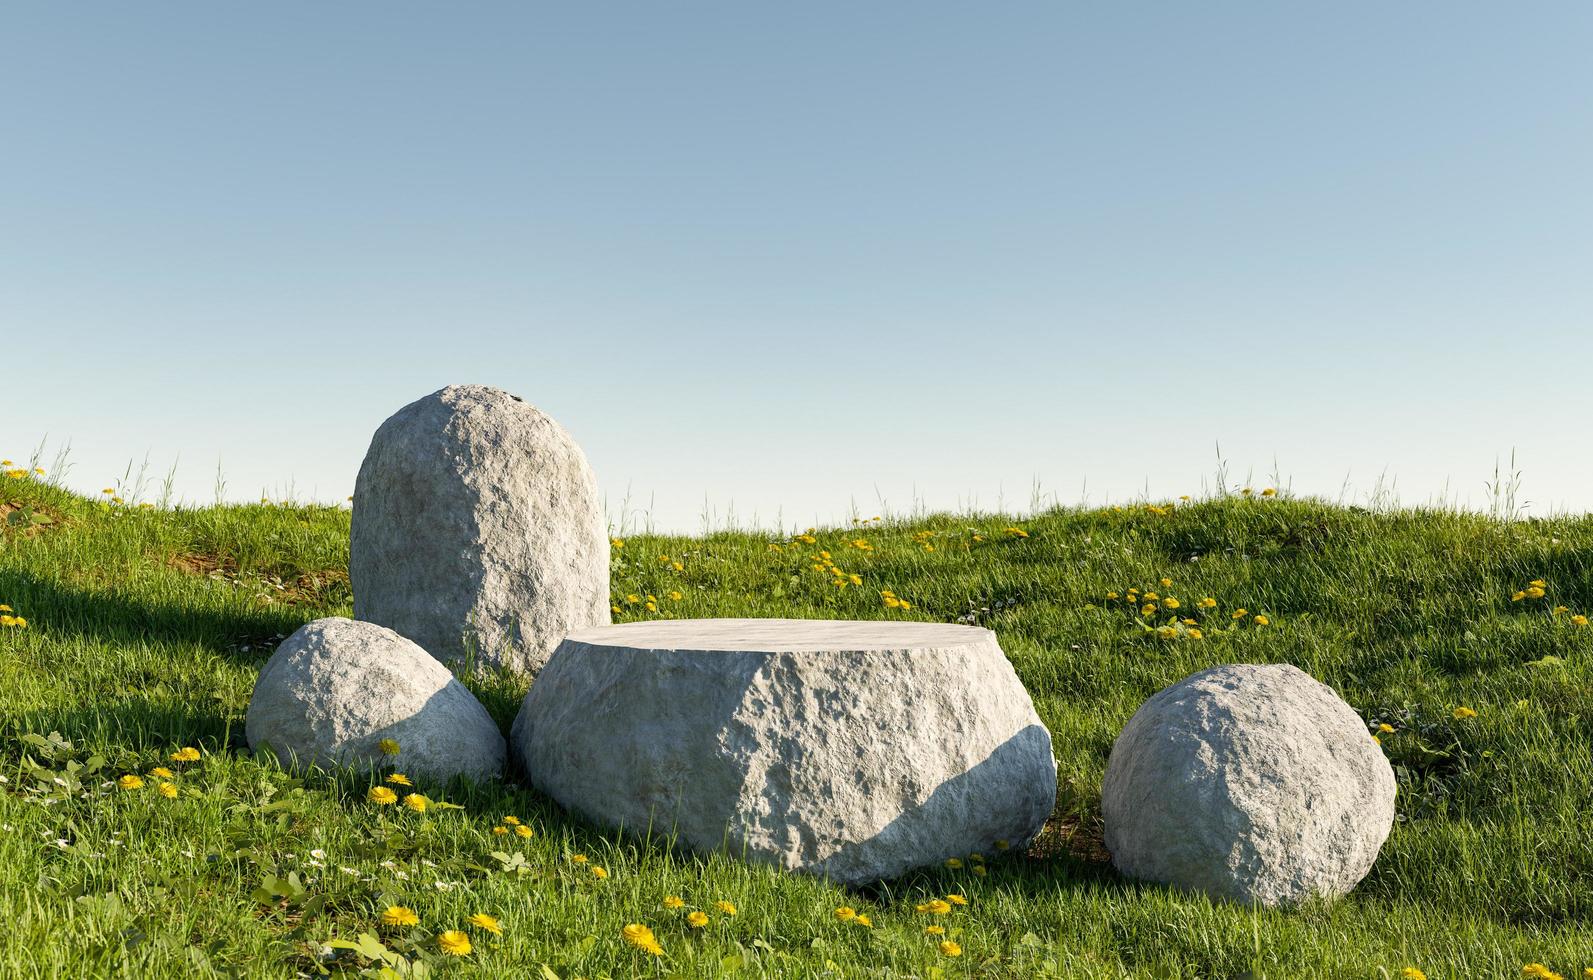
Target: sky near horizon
point(792, 260)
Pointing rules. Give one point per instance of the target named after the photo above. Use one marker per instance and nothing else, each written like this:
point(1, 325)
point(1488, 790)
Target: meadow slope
point(145, 629)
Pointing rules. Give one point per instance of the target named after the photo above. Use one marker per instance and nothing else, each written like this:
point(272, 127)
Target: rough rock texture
point(337, 687)
point(1250, 782)
point(478, 529)
point(852, 750)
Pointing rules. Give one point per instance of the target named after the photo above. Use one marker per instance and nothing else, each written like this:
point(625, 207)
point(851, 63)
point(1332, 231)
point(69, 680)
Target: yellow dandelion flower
point(845, 913)
point(1151, 596)
point(954, 863)
point(1261, 620)
point(1195, 633)
point(416, 802)
point(400, 915)
point(614, 609)
point(1558, 610)
point(1269, 492)
point(935, 907)
point(578, 858)
point(1539, 972)
point(522, 831)
point(1111, 595)
point(1167, 583)
point(1171, 603)
point(1462, 713)
point(617, 542)
point(863, 921)
point(949, 948)
point(1518, 596)
point(642, 938)
point(673, 901)
point(388, 747)
point(697, 919)
point(1579, 620)
point(399, 779)
point(725, 907)
point(161, 771)
point(633, 598)
point(675, 596)
point(956, 899)
point(677, 566)
point(454, 943)
point(500, 830)
point(511, 821)
point(482, 920)
point(168, 790)
point(1411, 973)
point(934, 930)
point(185, 754)
point(130, 781)
point(381, 796)
point(1535, 592)
point(1540, 583)
point(1208, 603)
point(1386, 728)
point(599, 872)
point(652, 606)
point(1240, 613)
point(979, 870)
point(1147, 609)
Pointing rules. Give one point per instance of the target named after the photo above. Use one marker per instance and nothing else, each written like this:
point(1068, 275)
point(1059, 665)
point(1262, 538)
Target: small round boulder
point(1248, 782)
point(337, 688)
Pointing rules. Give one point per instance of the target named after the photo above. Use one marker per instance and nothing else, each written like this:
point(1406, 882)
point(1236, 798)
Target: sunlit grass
point(146, 627)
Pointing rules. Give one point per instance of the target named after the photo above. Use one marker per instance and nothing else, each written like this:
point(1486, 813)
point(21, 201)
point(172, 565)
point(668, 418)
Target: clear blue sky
point(786, 257)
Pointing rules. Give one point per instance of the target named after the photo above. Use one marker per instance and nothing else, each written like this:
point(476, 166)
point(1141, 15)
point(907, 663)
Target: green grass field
point(145, 629)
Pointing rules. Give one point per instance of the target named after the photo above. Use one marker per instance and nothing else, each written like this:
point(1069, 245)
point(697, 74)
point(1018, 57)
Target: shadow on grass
point(120, 619)
point(134, 723)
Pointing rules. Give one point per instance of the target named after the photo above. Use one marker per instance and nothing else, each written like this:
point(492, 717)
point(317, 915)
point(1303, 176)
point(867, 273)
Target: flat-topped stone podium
point(853, 750)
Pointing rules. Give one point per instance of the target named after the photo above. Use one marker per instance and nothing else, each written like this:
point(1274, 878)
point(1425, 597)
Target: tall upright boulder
point(478, 529)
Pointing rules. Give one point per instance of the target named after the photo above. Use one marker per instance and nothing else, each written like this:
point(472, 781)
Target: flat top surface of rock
point(780, 635)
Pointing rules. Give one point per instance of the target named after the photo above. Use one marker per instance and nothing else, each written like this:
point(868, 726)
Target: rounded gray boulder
point(337, 687)
point(851, 750)
point(1248, 782)
point(478, 529)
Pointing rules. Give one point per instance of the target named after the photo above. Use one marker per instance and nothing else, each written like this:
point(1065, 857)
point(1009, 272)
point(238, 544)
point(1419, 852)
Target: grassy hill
point(145, 629)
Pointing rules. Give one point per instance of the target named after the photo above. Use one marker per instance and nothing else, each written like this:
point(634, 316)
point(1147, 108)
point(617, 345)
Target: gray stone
point(1249, 782)
point(337, 687)
point(852, 750)
point(478, 530)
